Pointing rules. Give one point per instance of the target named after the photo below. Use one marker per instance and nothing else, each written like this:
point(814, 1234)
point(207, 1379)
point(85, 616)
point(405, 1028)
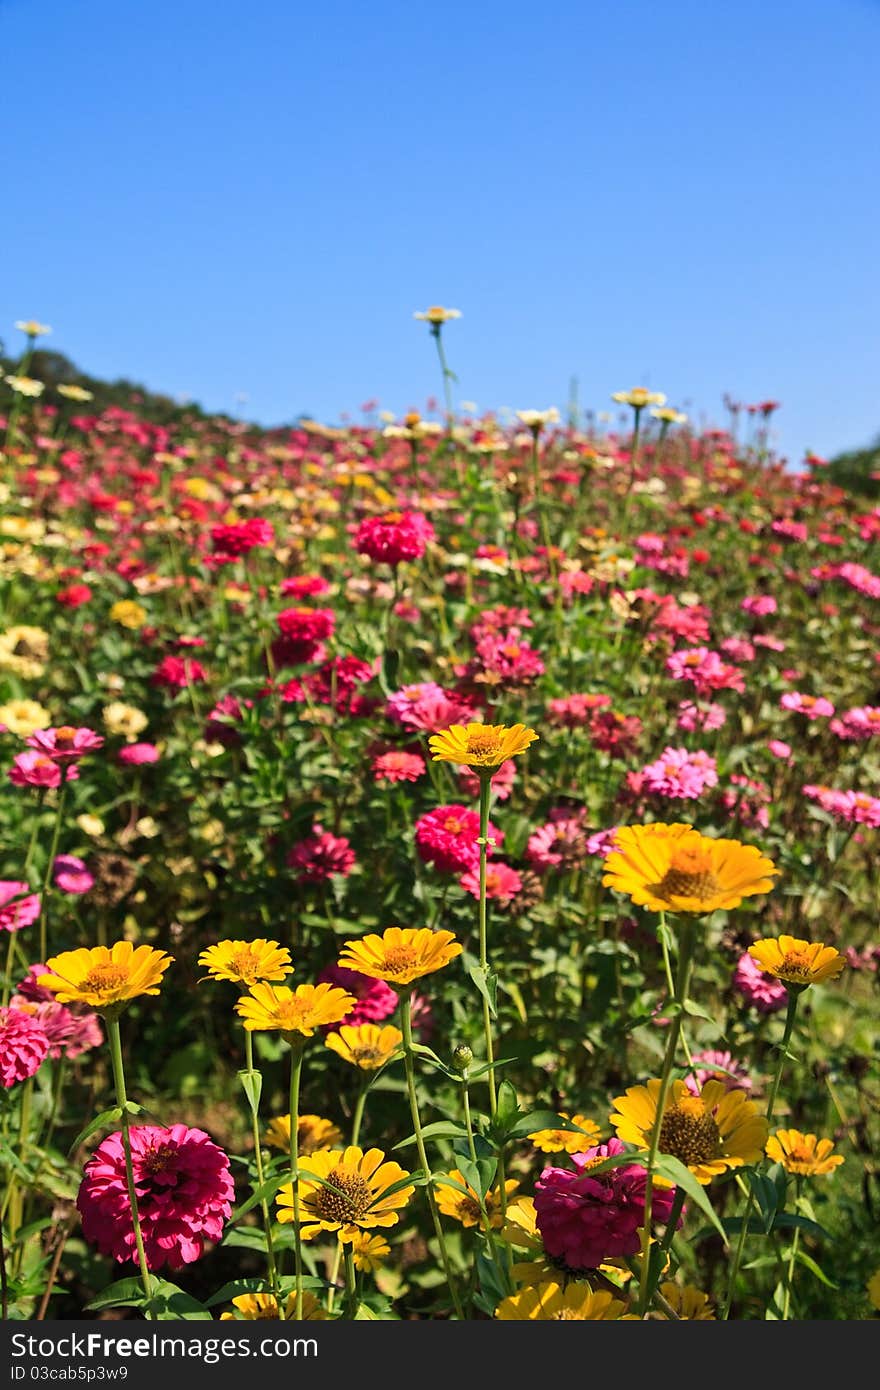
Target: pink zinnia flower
point(320, 855)
point(29, 989)
point(239, 537)
point(447, 838)
point(758, 989)
point(137, 754)
point(71, 875)
point(558, 844)
point(222, 719)
point(601, 843)
point(747, 800)
point(705, 669)
point(36, 770)
point(394, 536)
point(502, 780)
point(184, 1193)
point(177, 672)
point(304, 586)
point(376, 1000)
point(23, 1046)
point(717, 1066)
point(502, 882)
point(779, 749)
point(860, 723)
point(427, 706)
point(692, 716)
point(813, 706)
point(70, 1034)
point(615, 734)
point(759, 605)
point(680, 774)
point(64, 744)
point(586, 1220)
point(765, 639)
point(15, 915)
point(738, 649)
point(397, 766)
point(574, 711)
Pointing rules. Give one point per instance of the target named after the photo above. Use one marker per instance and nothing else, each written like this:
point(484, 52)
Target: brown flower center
point(690, 875)
point(366, 1056)
point(347, 1200)
point(796, 965)
point(103, 979)
point(689, 1132)
point(398, 959)
point(157, 1160)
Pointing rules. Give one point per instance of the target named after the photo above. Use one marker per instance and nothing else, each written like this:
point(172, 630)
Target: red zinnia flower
point(394, 536)
point(320, 855)
point(23, 1046)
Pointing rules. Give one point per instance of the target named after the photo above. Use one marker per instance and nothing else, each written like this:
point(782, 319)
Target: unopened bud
point(462, 1057)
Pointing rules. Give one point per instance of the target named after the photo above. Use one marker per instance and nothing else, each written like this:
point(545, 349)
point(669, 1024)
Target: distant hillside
point(858, 470)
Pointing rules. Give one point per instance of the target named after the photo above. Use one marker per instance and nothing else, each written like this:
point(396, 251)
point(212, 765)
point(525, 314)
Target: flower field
point(438, 870)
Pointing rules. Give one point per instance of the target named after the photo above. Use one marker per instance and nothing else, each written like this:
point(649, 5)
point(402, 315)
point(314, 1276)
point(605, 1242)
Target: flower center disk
point(689, 1133)
point(347, 1200)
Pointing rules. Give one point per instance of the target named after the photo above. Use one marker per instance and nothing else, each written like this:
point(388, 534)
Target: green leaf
point(106, 1117)
point(673, 1169)
point(486, 982)
point(124, 1293)
point(766, 1194)
point(252, 1085)
point(507, 1108)
point(537, 1120)
point(170, 1303)
point(809, 1263)
point(440, 1129)
point(260, 1194)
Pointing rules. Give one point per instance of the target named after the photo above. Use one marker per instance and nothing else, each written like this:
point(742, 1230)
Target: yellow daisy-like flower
point(437, 315)
point(72, 392)
point(105, 977)
point(365, 1045)
point(465, 1206)
point(535, 420)
point(128, 613)
point(23, 651)
point(873, 1288)
point(557, 1303)
point(26, 385)
point(127, 720)
point(709, 1133)
point(313, 1133)
point(802, 1154)
point(639, 397)
point(347, 1191)
point(263, 1307)
point(669, 415)
point(796, 962)
point(24, 717)
point(401, 954)
point(480, 745)
point(246, 962)
point(674, 868)
point(570, 1141)
point(690, 1303)
point(32, 328)
point(370, 1252)
point(275, 1008)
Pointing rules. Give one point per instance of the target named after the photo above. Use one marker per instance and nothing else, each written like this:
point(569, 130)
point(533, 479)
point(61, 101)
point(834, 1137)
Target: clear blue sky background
point(225, 199)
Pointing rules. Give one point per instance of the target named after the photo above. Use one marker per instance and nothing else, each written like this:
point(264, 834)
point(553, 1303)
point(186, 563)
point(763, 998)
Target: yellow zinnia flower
point(23, 651)
point(669, 415)
point(480, 745)
point(26, 385)
point(263, 1307)
point(105, 977)
point(275, 1008)
point(127, 720)
point(709, 1133)
point(797, 962)
point(802, 1154)
point(555, 1303)
point(570, 1141)
point(366, 1045)
point(639, 397)
point(873, 1287)
point(246, 962)
point(465, 1206)
point(128, 613)
point(312, 1131)
point(674, 868)
point(370, 1252)
point(437, 315)
point(346, 1191)
point(401, 954)
point(74, 392)
point(23, 717)
point(691, 1304)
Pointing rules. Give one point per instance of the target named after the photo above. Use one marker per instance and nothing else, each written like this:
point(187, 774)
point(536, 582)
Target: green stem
point(122, 1102)
point(408, 1057)
point(685, 962)
point(771, 1103)
point(357, 1118)
point(792, 1257)
point(296, 1061)
point(447, 375)
point(485, 792)
point(667, 968)
point(351, 1294)
point(258, 1158)
point(47, 880)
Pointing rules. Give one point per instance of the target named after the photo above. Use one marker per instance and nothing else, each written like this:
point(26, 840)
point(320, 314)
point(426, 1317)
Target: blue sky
point(227, 200)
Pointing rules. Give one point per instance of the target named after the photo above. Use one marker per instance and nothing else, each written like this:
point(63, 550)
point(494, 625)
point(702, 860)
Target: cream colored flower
point(639, 397)
point(32, 328)
point(124, 719)
point(92, 826)
point(535, 420)
point(437, 315)
point(25, 385)
point(23, 651)
point(23, 717)
point(75, 393)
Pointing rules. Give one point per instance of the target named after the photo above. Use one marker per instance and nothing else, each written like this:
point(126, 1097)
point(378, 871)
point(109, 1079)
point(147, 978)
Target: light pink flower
point(680, 774)
point(762, 991)
point(813, 706)
point(502, 882)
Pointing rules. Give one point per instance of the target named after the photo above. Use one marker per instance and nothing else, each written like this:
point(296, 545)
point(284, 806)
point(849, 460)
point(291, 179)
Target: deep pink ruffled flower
point(23, 1046)
point(137, 754)
point(692, 716)
point(71, 874)
point(397, 766)
point(574, 711)
point(585, 1220)
point(64, 744)
point(757, 988)
point(17, 911)
point(857, 724)
point(705, 670)
point(502, 780)
point(680, 774)
point(614, 733)
point(394, 536)
point(375, 999)
point(177, 672)
point(320, 855)
point(70, 1034)
point(303, 586)
point(447, 838)
point(428, 706)
point(759, 605)
point(32, 769)
point(502, 882)
point(184, 1195)
point(29, 989)
point(239, 537)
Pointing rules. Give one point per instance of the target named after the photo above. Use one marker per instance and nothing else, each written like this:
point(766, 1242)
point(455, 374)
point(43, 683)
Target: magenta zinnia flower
point(69, 1033)
point(23, 1046)
point(712, 1065)
point(71, 874)
point(320, 855)
point(34, 769)
point(393, 537)
point(447, 838)
point(757, 988)
point(502, 882)
point(375, 999)
point(64, 744)
point(21, 913)
point(680, 774)
point(585, 1220)
point(184, 1195)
